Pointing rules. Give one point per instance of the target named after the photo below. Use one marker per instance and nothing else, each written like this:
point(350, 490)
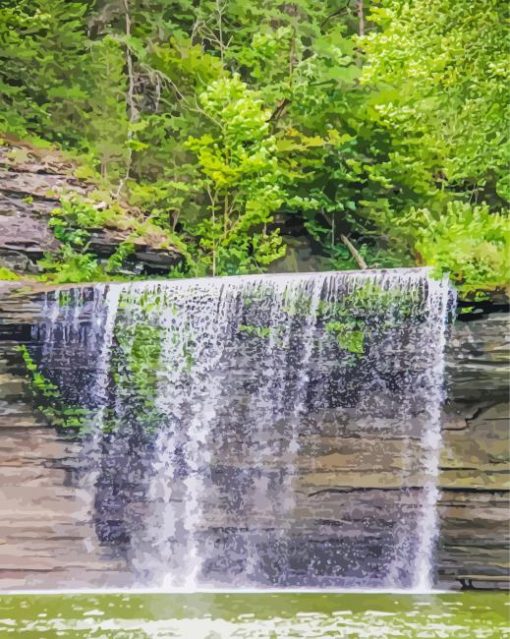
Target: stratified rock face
point(31, 184)
point(29, 191)
point(475, 460)
point(46, 537)
point(51, 538)
point(477, 365)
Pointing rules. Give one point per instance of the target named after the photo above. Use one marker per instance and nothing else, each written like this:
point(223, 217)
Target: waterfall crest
point(233, 423)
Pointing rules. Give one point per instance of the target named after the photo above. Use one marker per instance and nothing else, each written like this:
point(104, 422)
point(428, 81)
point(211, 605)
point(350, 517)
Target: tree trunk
point(361, 17)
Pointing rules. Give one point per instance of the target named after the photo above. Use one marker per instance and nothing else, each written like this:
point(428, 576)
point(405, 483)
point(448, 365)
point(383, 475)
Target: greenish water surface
point(470, 615)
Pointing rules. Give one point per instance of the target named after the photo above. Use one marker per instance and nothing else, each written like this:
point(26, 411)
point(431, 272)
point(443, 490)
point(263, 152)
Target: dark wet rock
point(478, 355)
point(303, 255)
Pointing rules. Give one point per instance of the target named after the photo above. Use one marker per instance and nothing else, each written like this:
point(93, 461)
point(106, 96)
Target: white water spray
point(217, 381)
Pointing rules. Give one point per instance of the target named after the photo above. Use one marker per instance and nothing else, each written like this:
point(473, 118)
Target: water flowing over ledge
point(205, 401)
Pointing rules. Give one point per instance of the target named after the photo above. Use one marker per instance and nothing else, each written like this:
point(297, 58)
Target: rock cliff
point(31, 184)
point(47, 533)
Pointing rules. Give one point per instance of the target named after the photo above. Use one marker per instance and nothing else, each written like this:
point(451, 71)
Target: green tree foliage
point(441, 73)
point(44, 68)
point(239, 175)
point(107, 121)
point(468, 242)
point(230, 124)
point(443, 68)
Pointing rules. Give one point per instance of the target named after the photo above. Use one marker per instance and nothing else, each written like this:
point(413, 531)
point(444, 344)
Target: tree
point(439, 75)
point(239, 174)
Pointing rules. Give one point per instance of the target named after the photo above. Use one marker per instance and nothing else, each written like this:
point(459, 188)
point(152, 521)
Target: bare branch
point(355, 254)
point(336, 13)
point(130, 97)
point(279, 111)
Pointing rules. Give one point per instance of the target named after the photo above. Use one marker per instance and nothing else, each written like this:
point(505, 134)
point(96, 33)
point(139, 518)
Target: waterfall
point(272, 430)
point(75, 339)
point(428, 526)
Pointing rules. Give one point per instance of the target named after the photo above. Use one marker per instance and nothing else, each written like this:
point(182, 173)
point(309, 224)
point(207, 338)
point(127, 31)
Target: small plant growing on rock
point(49, 399)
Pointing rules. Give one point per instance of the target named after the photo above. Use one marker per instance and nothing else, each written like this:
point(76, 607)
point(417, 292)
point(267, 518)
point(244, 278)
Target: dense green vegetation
point(230, 124)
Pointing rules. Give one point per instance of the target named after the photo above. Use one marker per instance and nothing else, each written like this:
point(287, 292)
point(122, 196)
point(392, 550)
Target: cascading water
point(219, 406)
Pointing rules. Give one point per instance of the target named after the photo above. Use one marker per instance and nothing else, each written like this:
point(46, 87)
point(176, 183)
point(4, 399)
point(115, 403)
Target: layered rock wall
point(31, 185)
point(46, 536)
point(475, 460)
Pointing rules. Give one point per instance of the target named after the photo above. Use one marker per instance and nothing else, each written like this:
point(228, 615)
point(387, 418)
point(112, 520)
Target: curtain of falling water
point(212, 405)
point(427, 528)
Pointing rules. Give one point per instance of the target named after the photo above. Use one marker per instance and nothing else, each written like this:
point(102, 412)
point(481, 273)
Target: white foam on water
point(71, 592)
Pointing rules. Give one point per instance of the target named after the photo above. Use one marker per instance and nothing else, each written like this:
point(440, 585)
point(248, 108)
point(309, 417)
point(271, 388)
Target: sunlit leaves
point(240, 176)
point(448, 63)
